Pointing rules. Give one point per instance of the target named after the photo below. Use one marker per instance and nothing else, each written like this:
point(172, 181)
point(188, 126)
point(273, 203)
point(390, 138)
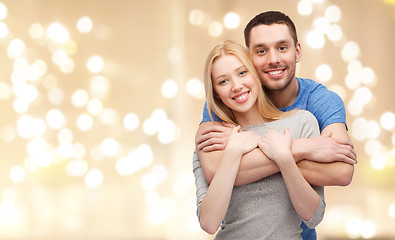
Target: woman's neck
point(250, 117)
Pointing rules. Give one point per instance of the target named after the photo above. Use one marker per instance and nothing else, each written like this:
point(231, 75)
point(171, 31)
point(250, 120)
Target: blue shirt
point(324, 104)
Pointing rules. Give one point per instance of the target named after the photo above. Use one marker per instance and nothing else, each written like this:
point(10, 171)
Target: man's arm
point(338, 151)
point(255, 165)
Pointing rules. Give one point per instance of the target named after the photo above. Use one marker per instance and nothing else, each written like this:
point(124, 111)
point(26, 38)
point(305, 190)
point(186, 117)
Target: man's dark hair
point(268, 18)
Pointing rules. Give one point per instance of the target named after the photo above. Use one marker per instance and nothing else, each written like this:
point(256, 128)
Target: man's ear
point(298, 52)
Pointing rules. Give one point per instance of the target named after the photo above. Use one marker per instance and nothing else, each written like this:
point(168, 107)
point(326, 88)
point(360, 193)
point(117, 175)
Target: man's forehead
point(269, 34)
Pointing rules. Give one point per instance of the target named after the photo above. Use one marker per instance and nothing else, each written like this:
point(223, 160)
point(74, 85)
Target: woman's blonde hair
point(265, 106)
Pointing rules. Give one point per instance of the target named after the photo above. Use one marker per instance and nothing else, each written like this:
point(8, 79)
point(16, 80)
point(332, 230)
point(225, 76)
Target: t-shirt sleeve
point(309, 129)
point(308, 125)
point(319, 212)
point(327, 107)
point(206, 116)
point(200, 182)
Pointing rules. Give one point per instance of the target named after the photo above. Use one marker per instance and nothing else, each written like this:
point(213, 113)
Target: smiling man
point(325, 160)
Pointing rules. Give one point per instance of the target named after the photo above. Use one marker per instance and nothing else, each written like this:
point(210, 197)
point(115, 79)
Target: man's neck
point(284, 97)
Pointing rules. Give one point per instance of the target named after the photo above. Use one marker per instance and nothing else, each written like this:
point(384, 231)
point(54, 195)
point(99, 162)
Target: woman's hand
point(242, 141)
point(277, 146)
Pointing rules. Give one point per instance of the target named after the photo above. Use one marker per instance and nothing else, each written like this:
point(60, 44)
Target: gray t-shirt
point(263, 209)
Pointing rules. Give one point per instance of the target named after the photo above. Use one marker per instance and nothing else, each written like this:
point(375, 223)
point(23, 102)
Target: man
point(325, 160)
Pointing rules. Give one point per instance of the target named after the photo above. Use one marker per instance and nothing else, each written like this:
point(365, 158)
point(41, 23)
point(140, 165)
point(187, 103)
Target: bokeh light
point(84, 25)
point(321, 25)
point(3, 30)
point(391, 211)
point(215, 29)
point(323, 73)
point(387, 120)
point(131, 121)
point(109, 147)
point(57, 33)
point(36, 31)
point(350, 51)
point(231, 20)
point(334, 33)
point(16, 48)
point(169, 88)
point(95, 64)
point(333, 13)
point(195, 88)
point(17, 174)
point(174, 54)
point(85, 122)
point(315, 39)
point(3, 11)
point(55, 119)
point(94, 178)
point(196, 17)
point(80, 98)
point(305, 8)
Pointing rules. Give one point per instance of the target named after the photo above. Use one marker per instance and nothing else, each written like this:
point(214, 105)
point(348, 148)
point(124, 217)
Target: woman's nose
point(237, 86)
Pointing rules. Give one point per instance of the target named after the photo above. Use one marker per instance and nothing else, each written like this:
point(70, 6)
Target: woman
point(271, 208)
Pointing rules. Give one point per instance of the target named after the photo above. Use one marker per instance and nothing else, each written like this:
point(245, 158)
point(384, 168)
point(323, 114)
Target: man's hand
point(213, 137)
point(326, 149)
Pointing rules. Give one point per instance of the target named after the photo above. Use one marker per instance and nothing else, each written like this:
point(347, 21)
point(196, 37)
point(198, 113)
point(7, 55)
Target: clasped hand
point(277, 146)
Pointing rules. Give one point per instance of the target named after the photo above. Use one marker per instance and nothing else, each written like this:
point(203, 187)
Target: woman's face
point(234, 84)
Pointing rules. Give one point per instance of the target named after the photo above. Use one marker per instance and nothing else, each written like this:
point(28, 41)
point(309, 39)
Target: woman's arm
point(303, 197)
point(216, 201)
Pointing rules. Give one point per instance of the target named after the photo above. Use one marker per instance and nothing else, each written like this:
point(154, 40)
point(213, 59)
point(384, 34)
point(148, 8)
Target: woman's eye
point(222, 82)
point(242, 73)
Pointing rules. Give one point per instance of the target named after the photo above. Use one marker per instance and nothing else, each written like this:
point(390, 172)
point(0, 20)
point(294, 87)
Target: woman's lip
point(242, 97)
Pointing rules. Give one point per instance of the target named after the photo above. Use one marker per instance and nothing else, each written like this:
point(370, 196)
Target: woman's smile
point(242, 97)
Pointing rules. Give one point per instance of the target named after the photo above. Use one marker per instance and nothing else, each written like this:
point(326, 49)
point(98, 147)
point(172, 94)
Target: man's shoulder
point(310, 85)
point(315, 90)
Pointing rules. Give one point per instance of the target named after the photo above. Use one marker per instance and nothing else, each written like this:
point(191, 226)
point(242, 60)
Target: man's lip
point(275, 73)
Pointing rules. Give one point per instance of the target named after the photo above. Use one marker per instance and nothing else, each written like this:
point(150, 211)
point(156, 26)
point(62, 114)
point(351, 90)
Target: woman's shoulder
point(302, 114)
point(305, 122)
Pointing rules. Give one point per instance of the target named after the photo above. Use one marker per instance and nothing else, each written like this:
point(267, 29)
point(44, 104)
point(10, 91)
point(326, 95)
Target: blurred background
point(100, 101)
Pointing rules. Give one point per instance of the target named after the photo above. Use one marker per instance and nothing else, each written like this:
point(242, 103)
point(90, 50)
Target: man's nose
point(273, 57)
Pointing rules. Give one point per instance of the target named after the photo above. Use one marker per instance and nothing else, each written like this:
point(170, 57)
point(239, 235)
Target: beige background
point(143, 44)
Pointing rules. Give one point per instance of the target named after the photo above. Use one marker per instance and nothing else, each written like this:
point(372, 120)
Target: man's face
point(274, 55)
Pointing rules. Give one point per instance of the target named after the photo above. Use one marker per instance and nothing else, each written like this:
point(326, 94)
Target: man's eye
point(282, 48)
point(260, 51)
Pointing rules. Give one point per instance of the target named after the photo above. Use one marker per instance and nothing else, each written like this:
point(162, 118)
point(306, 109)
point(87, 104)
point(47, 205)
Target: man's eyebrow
point(258, 45)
